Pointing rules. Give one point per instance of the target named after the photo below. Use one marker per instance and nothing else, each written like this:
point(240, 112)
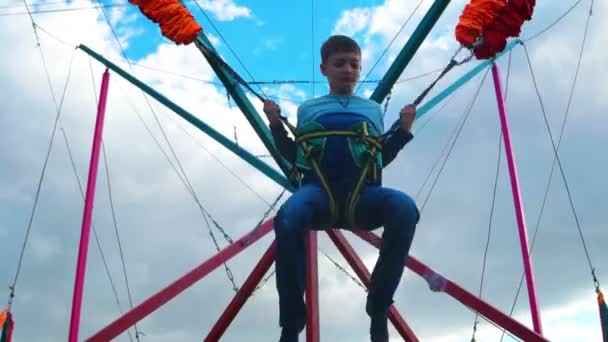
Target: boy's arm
point(286, 146)
point(395, 142)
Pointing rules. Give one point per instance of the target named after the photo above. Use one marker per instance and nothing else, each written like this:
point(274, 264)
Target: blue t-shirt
point(313, 109)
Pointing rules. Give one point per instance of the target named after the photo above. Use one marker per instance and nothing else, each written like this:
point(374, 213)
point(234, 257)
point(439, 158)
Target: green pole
point(241, 100)
point(462, 81)
point(244, 154)
point(409, 50)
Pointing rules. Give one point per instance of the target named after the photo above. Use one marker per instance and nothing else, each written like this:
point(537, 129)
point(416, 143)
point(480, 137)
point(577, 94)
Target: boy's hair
point(338, 43)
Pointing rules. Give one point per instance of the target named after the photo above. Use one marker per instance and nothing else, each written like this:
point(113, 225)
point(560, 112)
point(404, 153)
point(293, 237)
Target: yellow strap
point(365, 137)
point(354, 196)
point(323, 134)
point(315, 166)
point(376, 144)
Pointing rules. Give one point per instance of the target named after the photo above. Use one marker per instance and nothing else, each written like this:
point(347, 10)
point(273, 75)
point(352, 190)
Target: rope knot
point(596, 282)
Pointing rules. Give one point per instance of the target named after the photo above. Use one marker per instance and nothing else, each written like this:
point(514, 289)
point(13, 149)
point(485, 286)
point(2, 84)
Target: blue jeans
point(309, 207)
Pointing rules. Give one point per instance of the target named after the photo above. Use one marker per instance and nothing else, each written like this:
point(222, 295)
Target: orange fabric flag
point(175, 22)
point(494, 21)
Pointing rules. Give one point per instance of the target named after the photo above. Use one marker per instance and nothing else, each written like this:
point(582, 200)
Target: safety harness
point(366, 148)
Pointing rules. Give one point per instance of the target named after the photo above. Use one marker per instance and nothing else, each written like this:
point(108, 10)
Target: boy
point(330, 195)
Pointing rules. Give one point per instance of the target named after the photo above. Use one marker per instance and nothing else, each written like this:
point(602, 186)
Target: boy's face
point(342, 70)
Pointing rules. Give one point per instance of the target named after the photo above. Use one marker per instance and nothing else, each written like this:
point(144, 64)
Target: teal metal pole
point(409, 50)
point(240, 98)
point(461, 81)
point(244, 154)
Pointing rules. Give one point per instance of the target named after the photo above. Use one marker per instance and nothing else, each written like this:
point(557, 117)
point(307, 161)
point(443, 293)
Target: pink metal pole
point(151, 304)
point(440, 283)
point(88, 211)
point(518, 202)
point(359, 267)
point(242, 295)
point(312, 289)
point(603, 319)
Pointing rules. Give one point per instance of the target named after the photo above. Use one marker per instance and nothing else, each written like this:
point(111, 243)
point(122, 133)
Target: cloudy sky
point(162, 231)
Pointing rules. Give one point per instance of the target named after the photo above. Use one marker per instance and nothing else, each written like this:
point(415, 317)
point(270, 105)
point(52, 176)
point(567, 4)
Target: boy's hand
point(407, 116)
point(272, 111)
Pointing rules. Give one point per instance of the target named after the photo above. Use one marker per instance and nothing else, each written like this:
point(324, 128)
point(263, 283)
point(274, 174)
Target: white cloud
point(45, 249)
point(215, 40)
point(552, 55)
point(271, 44)
point(139, 173)
point(390, 16)
point(352, 21)
point(162, 232)
point(226, 10)
point(574, 321)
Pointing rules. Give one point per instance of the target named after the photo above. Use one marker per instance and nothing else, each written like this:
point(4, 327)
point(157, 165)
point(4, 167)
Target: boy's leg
point(307, 207)
point(397, 212)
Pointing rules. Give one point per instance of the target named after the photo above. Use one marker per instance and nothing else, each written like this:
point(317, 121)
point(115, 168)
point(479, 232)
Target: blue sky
point(161, 229)
point(292, 52)
point(259, 36)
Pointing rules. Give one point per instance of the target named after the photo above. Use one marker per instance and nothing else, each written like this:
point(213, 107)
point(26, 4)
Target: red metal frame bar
point(439, 283)
point(359, 267)
point(312, 288)
point(151, 304)
point(436, 281)
point(242, 295)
